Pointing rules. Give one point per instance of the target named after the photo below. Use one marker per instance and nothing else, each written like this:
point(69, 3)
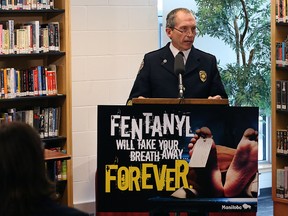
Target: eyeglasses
point(187, 30)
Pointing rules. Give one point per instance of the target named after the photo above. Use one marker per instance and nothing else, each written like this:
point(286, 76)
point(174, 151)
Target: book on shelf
point(284, 95)
point(5, 41)
point(22, 41)
point(282, 183)
point(54, 121)
point(42, 123)
point(44, 38)
point(51, 125)
point(57, 168)
point(4, 118)
point(39, 80)
point(29, 37)
point(57, 35)
point(29, 117)
point(281, 94)
point(35, 81)
point(57, 165)
point(42, 82)
point(286, 182)
point(10, 28)
point(1, 33)
point(51, 84)
point(46, 120)
point(280, 174)
point(57, 118)
point(24, 82)
point(30, 83)
point(3, 83)
point(7, 37)
point(11, 114)
point(50, 36)
point(281, 11)
point(18, 83)
point(282, 141)
point(35, 34)
point(38, 70)
point(54, 33)
point(26, 5)
point(36, 118)
point(51, 39)
point(280, 54)
point(64, 167)
point(10, 83)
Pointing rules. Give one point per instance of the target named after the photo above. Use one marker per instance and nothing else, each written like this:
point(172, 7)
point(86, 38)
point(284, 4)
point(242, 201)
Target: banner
point(157, 157)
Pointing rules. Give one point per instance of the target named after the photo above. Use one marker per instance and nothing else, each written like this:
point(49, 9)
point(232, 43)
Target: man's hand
point(215, 97)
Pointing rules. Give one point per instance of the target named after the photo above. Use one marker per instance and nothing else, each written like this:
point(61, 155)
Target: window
point(204, 43)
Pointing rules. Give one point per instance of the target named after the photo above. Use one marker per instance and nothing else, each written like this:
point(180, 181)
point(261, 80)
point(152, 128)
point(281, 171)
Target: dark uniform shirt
point(157, 79)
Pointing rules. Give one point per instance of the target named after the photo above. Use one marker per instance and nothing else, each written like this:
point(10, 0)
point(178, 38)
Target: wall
point(109, 39)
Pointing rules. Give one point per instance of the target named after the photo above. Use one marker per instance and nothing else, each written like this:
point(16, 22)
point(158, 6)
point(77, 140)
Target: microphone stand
point(179, 69)
point(181, 86)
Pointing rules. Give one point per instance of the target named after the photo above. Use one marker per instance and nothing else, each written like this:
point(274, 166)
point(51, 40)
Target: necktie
point(179, 69)
point(182, 54)
point(179, 65)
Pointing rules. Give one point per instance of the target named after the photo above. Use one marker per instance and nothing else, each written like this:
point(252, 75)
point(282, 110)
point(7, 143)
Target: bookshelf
point(52, 155)
point(279, 32)
point(59, 14)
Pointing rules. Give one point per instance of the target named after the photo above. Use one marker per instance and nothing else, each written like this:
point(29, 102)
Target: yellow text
point(148, 177)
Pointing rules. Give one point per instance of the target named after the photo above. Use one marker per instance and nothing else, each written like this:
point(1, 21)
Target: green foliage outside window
point(245, 27)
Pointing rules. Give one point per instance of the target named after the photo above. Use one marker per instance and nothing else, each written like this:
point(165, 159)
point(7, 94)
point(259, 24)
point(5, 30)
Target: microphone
point(179, 70)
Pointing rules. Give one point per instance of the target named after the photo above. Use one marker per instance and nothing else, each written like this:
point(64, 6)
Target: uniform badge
point(141, 66)
point(203, 75)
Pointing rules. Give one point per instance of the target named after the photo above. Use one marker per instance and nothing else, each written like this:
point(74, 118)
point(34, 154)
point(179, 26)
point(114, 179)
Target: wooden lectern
point(195, 101)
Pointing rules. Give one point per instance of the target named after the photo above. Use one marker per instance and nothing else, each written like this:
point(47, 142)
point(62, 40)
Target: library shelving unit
point(59, 13)
point(279, 32)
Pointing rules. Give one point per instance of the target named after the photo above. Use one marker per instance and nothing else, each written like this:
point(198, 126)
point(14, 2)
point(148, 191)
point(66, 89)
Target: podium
point(190, 101)
point(120, 128)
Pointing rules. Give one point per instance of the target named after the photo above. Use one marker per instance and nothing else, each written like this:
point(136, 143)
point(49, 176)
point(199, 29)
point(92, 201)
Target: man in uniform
point(156, 77)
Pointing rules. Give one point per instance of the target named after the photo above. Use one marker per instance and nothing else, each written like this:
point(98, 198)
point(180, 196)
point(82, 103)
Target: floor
point(265, 204)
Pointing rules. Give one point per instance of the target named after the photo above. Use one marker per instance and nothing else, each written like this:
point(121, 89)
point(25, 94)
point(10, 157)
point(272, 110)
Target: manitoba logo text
point(236, 207)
